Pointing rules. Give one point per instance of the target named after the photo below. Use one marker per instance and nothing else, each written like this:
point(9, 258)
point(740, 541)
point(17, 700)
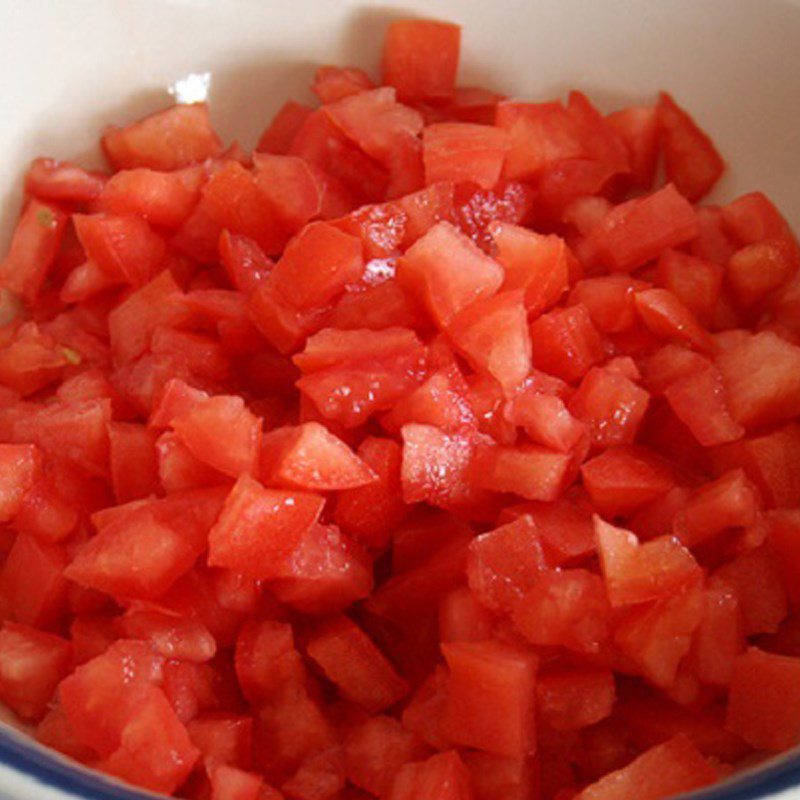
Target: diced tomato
point(696, 282)
point(664, 314)
point(498, 717)
point(231, 783)
point(325, 573)
point(308, 456)
point(170, 139)
point(32, 663)
point(21, 466)
point(464, 152)
point(541, 265)
point(63, 181)
point(223, 433)
point(730, 501)
point(625, 478)
point(243, 260)
point(223, 738)
point(493, 336)
point(258, 528)
point(691, 161)
point(280, 133)
point(463, 619)
point(420, 58)
point(638, 128)
point(133, 461)
point(567, 699)
point(528, 470)
point(635, 232)
point(381, 229)
point(674, 767)
point(353, 663)
point(447, 272)
point(371, 512)
point(546, 420)
point(761, 380)
point(757, 580)
point(636, 572)
point(567, 608)
point(376, 750)
point(334, 83)
point(33, 249)
point(499, 778)
point(170, 634)
point(504, 563)
point(566, 343)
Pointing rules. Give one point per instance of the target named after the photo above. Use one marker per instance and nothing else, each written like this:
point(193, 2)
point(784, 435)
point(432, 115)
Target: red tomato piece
point(125, 247)
point(609, 300)
point(133, 461)
point(625, 478)
point(546, 420)
point(674, 767)
point(761, 380)
point(541, 265)
point(179, 470)
point(730, 501)
point(162, 198)
point(638, 128)
point(764, 706)
point(20, 468)
point(381, 229)
point(376, 750)
point(353, 663)
point(447, 272)
point(325, 573)
point(691, 161)
point(567, 699)
point(566, 343)
point(611, 405)
point(639, 230)
point(656, 637)
point(280, 133)
point(491, 697)
point(463, 619)
point(371, 512)
point(32, 252)
point(334, 83)
point(266, 659)
point(222, 738)
point(784, 538)
point(567, 608)
point(504, 563)
point(32, 582)
point(232, 783)
point(259, 528)
point(664, 314)
point(310, 457)
point(757, 579)
point(464, 152)
point(32, 663)
point(493, 336)
point(31, 360)
point(527, 470)
point(698, 399)
point(696, 282)
point(243, 260)
point(222, 433)
point(63, 181)
point(540, 134)
point(168, 140)
point(375, 121)
point(420, 58)
point(291, 186)
point(636, 572)
point(155, 751)
point(425, 208)
point(758, 269)
point(499, 778)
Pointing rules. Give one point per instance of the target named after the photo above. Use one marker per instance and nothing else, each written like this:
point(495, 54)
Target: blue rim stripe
point(30, 759)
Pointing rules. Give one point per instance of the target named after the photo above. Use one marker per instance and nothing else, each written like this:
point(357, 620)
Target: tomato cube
point(62, 181)
point(567, 608)
point(280, 133)
point(691, 161)
point(309, 457)
point(566, 343)
point(21, 468)
point(31, 360)
point(625, 478)
point(231, 783)
point(32, 663)
point(609, 299)
point(463, 619)
point(259, 528)
point(638, 128)
point(764, 704)
point(696, 282)
point(504, 563)
point(636, 572)
point(491, 697)
point(674, 767)
point(633, 233)
point(420, 58)
point(447, 272)
point(133, 461)
point(222, 738)
point(464, 152)
point(352, 662)
point(567, 699)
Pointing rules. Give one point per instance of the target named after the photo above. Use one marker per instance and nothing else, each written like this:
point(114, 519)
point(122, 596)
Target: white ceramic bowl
point(69, 67)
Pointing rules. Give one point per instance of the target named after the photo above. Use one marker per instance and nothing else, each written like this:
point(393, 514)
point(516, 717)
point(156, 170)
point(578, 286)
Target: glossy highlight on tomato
point(433, 450)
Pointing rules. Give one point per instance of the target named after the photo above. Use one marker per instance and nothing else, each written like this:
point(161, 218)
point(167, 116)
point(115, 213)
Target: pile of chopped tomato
point(431, 451)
